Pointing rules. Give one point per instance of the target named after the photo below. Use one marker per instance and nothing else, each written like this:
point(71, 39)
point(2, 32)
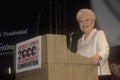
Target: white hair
point(87, 12)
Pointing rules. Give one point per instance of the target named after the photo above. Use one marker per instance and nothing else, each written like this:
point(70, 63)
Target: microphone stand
point(71, 34)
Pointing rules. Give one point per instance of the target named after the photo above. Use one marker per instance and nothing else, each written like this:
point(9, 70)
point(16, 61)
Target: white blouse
point(95, 43)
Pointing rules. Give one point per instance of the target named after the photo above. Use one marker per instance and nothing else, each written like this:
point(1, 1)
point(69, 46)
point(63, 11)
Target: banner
point(28, 54)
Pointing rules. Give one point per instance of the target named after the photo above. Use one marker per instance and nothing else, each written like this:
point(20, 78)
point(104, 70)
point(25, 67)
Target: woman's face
point(86, 24)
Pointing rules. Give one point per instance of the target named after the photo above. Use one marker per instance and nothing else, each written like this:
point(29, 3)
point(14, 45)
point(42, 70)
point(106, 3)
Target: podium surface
point(59, 63)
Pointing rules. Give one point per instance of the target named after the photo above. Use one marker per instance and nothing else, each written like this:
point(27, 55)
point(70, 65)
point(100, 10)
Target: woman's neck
point(87, 34)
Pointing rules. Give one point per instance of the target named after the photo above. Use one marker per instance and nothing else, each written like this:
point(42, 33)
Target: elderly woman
point(93, 43)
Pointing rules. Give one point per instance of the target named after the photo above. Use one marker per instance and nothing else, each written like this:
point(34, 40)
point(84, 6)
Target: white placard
point(28, 54)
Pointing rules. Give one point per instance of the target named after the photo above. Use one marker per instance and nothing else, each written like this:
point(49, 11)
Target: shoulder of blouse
point(100, 32)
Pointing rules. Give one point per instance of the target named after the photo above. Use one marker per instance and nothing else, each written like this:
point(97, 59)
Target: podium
point(59, 63)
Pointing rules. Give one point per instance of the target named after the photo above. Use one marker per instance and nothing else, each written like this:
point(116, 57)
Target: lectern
point(59, 63)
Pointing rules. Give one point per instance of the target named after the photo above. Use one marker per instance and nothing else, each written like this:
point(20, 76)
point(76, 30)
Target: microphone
point(73, 36)
point(76, 32)
point(70, 35)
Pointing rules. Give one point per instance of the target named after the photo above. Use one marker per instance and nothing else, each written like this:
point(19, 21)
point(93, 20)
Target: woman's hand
point(95, 59)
